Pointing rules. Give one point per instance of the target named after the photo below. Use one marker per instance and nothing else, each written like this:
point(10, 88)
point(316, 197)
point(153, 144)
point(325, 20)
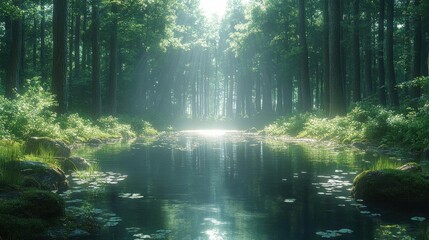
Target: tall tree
point(305, 78)
point(59, 72)
point(337, 103)
point(380, 55)
point(43, 73)
point(13, 71)
point(325, 50)
point(390, 69)
point(417, 48)
point(368, 51)
point(96, 84)
point(113, 59)
point(356, 52)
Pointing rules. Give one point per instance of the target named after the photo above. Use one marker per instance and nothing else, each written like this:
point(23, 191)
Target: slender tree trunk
point(305, 78)
point(288, 94)
point(43, 70)
point(280, 108)
point(34, 43)
point(85, 35)
point(380, 56)
point(71, 40)
point(325, 50)
point(390, 70)
point(267, 98)
point(96, 84)
point(416, 91)
point(77, 40)
point(258, 94)
point(112, 104)
point(337, 104)
point(12, 77)
point(22, 60)
point(356, 52)
point(59, 72)
point(368, 53)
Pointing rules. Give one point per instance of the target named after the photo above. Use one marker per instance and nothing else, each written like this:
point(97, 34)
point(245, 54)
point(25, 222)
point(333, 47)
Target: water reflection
point(235, 186)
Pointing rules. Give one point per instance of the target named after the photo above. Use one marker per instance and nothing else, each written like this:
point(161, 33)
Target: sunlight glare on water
point(210, 132)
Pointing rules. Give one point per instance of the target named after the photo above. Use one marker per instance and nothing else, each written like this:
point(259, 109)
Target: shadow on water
point(231, 185)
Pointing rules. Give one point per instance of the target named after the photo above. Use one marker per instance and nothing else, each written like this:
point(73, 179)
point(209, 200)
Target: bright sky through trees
point(213, 7)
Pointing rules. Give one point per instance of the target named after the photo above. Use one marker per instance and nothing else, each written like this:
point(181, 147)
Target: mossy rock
point(12, 227)
point(33, 204)
point(392, 186)
point(39, 175)
point(38, 145)
point(74, 164)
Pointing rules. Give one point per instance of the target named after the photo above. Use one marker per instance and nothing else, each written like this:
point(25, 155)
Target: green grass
point(368, 123)
point(384, 163)
point(9, 151)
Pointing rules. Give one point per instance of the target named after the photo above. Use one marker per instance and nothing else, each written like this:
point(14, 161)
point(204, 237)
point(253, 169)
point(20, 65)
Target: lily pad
point(418, 219)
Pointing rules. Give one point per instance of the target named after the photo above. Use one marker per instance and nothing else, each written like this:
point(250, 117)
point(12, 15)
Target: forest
point(166, 60)
point(125, 84)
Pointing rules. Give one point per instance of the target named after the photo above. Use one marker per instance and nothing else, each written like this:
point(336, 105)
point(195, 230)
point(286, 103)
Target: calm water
point(233, 186)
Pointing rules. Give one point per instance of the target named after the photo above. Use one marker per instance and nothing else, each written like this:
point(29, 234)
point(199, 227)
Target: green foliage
point(384, 163)
point(143, 128)
point(30, 114)
point(78, 129)
point(364, 123)
point(9, 151)
point(288, 126)
point(114, 128)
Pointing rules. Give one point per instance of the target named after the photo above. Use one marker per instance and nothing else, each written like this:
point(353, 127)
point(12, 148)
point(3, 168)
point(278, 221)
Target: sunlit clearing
point(210, 132)
point(213, 7)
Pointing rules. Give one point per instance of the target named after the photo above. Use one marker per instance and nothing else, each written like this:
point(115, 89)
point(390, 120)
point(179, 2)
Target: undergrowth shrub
point(114, 128)
point(143, 128)
point(78, 129)
point(364, 123)
point(30, 114)
point(288, 125)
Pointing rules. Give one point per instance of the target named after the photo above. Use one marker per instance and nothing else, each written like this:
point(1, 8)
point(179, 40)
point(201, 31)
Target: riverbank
point(365, 127)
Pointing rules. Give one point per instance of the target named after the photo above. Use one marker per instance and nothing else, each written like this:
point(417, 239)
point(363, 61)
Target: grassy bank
point(32, 114)
point(366, 123)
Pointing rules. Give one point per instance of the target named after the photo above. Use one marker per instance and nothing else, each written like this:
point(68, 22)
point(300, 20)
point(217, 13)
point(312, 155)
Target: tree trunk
point(380, 56)
point(393, 94)
point(112, 104)
point(12, 78)
point(77, 40)
point(356, 52)
point(368, 53)
point(43, 73)
point(337, 105)
point(325, 50)
point(416, 91)
point(96, 84)
point(59, 72)
point(34, 43)
point(306, 104)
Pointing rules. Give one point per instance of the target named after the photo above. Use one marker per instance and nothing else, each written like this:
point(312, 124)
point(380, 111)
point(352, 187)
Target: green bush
point(78, 129)
point(143, 128)
point(364, 123)
point(288, 126)
point(30, 114)
point(114, 128)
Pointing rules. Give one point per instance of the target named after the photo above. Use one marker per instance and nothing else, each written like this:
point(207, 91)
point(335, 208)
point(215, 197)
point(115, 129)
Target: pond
point(230, 185)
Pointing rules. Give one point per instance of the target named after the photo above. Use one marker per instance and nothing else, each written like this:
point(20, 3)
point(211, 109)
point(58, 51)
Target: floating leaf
point(418, 219)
